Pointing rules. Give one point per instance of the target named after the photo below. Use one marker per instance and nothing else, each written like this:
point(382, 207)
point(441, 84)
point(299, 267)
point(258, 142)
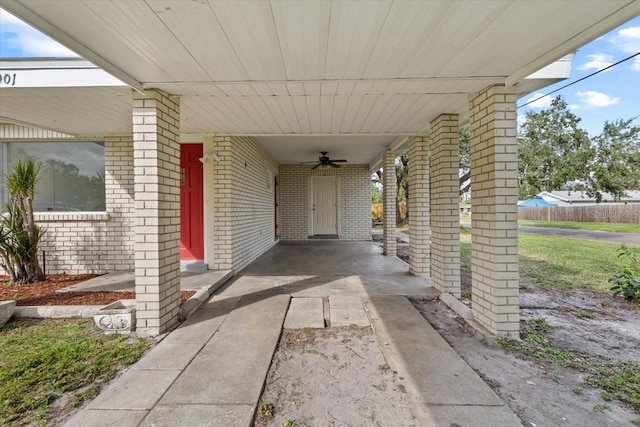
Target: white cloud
point(596, 99)
point(539, 103)
point(574, 107)
point(635, 65)
point(597, 62)
point(27, 40)
point(627, 40)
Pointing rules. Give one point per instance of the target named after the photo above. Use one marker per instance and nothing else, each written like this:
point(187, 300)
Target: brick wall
point(494, 185)
point(445, 204)
point(389, 195)
point(156, 161)
point(96, 242)
point(243, 211)
point(354, 203)
point(419, 207)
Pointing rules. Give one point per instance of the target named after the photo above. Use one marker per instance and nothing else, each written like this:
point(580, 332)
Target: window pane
point(72, 176)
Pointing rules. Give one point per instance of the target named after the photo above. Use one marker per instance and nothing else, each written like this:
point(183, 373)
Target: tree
point(402, 183)
point(464, 140)
point(553, 151)
point(19, 234)
point(376, 193)
point(617, 160)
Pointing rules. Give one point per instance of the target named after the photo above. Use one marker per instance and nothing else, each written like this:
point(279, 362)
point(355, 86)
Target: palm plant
point(19, 234)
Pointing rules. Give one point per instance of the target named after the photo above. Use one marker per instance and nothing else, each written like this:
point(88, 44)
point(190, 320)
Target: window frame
point(4, 168)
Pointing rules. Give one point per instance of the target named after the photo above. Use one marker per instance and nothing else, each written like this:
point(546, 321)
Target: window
point(72, 175)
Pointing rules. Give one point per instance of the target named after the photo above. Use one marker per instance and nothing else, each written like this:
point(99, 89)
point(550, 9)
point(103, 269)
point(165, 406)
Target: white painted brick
point(494, 221)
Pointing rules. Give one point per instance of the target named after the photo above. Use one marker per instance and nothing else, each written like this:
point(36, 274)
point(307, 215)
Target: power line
point(579, 80)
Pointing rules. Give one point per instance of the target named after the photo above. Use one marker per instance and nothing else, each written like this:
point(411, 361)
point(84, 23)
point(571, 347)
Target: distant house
point(566, 198)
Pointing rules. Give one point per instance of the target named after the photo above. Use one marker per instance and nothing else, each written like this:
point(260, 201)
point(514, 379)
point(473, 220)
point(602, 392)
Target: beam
point(27, 15)
point(394, 146)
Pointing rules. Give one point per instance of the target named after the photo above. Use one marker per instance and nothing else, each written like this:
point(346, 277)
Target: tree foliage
point(19, 234)
point(552, 150)
point(555, 153)
point(616, 167)
point(464, 141)
point(402, 183)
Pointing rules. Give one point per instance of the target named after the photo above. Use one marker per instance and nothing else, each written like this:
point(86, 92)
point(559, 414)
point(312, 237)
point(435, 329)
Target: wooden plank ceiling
point(321, 67)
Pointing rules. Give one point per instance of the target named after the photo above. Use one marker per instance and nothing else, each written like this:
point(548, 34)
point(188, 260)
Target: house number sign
point(8, 79)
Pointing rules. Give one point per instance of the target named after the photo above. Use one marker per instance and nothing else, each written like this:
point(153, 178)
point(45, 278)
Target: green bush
point(627, 280)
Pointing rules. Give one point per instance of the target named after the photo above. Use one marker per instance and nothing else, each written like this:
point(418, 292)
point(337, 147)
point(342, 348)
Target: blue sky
point(610, 95)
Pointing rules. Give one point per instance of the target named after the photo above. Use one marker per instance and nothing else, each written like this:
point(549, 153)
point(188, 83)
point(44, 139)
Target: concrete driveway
point(210, 371)
point(596, 236)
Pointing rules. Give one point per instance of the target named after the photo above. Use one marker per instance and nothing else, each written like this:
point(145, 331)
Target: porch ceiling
point(323, 68)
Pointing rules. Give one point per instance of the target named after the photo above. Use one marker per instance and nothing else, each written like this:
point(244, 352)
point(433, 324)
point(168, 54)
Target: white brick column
point(445, 206)
point(223, 218)
point(389, 194)
point(156, 122)
point(419, 239)
point(494, 196)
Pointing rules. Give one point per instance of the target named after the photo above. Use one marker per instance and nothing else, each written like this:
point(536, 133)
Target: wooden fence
point(620, 214)
point(377, 210)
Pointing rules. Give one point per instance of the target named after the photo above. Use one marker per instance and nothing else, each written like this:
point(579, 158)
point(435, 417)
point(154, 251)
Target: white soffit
point(377, 69)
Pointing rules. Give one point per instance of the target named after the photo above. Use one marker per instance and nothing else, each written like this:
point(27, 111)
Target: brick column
point(156, 122)
point(494, 196)
point(389, 194)
point(419, 239)
point(445, 205)
point(223, 187)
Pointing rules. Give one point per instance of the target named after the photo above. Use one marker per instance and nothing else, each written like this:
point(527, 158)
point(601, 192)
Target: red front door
point(191, 195)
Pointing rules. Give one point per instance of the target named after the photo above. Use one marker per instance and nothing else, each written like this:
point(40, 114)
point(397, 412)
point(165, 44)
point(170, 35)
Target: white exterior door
point(324, 205)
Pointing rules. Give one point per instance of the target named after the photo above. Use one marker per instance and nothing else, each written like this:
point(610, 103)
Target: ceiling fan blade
point(333, 165)
point(309, 163)
point(316, 166)
point(339, 161)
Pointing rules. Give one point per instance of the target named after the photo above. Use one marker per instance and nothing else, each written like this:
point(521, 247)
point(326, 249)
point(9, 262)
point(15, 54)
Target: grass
point(567, 264)
point(619, 380)
point(598, 226)
point(557, 262)
point(42, 361)
point(465, 247)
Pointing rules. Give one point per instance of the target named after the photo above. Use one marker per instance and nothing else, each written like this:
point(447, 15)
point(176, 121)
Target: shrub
point(626, 281)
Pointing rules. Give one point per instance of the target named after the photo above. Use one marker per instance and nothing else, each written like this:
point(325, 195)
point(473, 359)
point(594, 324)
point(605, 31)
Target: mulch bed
point(44, 293)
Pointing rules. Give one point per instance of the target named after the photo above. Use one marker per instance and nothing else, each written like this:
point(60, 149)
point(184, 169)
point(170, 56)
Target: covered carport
point(320, 76)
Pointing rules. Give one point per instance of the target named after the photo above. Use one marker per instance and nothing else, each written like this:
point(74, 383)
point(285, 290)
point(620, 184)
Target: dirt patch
point(332, 377)
point(44, 293)
point(584, 326)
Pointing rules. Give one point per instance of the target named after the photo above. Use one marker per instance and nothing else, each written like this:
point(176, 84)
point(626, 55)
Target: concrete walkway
point(124, 281)
point(210, 371)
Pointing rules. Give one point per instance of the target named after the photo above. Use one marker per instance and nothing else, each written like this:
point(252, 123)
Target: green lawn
point(40, 361)
point(601, 226)
point(563, 263)
point(559, 262)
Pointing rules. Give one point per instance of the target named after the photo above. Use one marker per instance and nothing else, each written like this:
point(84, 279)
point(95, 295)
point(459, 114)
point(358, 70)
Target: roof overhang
point(328, 71)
